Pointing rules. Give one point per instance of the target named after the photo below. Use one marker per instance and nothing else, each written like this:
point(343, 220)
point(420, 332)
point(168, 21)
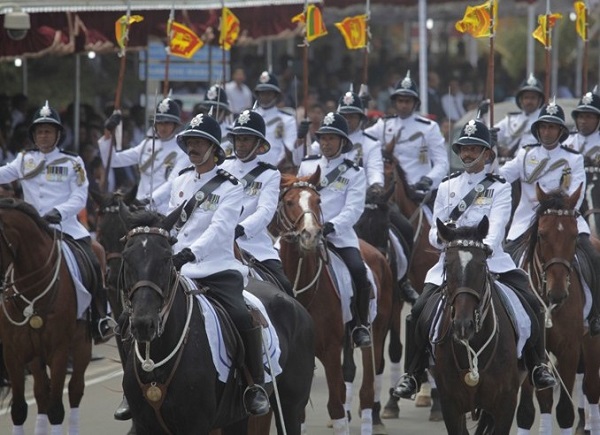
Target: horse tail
point(486, 423)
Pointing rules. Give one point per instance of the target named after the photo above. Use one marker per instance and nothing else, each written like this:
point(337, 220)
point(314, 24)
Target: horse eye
point(289, 203)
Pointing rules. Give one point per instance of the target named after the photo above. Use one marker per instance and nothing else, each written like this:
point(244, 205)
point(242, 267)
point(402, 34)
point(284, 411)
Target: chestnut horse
point(304, 258)
point(39, 328)
point(549, 256)
point(474, 344)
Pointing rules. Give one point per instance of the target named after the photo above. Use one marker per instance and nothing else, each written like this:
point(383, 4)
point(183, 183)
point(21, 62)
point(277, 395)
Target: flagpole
point(491, 62)
point(223, 58)
point(168, 57)
point(305, 74)
point(548, 47)
point(584, 78)
point(365, 77)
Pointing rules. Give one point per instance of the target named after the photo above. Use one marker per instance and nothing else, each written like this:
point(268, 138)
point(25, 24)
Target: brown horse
point(475, 348)
point(39, 328)
point(423, 257)
point(304, 258)
point(549, 256)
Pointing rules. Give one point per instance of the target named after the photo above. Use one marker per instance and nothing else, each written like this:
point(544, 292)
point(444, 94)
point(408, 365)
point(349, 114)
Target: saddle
point(88, 268)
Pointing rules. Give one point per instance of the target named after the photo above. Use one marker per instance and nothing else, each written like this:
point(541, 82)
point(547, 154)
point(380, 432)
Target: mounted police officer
point(514, 130)
point(463, 199)
point(416, 142)
point(157, 158)
point(281, 130)
point(54, 182)
point(216, 103)
point(204, 250)
point(343, 189)
point(261, 182)
point(553, 166)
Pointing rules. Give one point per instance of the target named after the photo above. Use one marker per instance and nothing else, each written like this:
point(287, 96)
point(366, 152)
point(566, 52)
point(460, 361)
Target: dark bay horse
point(39, 328)
point(549, 257)
point(304, 260)
point(474, 344)
point(170, 380)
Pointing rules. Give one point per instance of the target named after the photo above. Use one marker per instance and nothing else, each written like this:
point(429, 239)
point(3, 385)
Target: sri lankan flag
point(545, 22)
point(183, 41)
point(230, 29)
point(122, 28)
point(354, 31)
point(581, 20)
point(477, 19)
point(315, 27)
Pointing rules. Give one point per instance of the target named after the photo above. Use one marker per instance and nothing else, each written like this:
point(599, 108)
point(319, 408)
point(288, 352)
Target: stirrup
point(258, 390)
point(105, 329)
point(364, 341)
point(401, 390)
point(552, 380)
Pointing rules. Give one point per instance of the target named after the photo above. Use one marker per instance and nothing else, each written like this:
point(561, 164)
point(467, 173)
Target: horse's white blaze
point(464, 257)
point(144, 242)
point(309, 221)
point(560, 227)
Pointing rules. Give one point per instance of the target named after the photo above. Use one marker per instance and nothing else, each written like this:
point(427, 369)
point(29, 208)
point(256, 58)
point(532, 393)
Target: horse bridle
point(288, 225)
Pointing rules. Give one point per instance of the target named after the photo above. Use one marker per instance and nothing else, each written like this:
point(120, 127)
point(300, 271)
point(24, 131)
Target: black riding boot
point(407, 291)
point(415, 363)
point(360, 334)
point(535, 359)
point(123, 413)
point(256, 399)
point(102, 323)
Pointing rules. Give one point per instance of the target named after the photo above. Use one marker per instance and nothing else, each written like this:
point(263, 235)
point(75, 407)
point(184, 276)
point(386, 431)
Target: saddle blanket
point(511, 301)
point(221, 359)
point(401, 261)
point(344, 284)
point(84, 298)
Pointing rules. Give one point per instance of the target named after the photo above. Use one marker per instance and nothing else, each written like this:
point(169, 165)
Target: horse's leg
point(349, 371)
point(567, 368)
point(454, 418)
point(391, 409)
point(41, 391)
point(58, 372)
point(379, 334)
point(16, 374)
point(330, 358)
point(525, 409)
point(504, 413)
point(81, 353)
point(260, 425)
point(367, 391)
point(591, 380)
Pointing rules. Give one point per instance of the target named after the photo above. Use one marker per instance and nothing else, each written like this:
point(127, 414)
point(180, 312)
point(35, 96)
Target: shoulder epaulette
point(267, 165)
point(284, 112)
point(370, 136)
point(312, 157)
point(352, 164)
point(188, 169)
point(571, 150)
point(423, 120)
point(227, 176)
point(496, 177)
point(452, 175)
point(69, 153)
point(513, 113)
point(532, 145)
point(231, 157)
point(389, 116)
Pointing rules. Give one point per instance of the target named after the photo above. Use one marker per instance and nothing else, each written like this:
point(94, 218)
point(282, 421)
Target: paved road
point(103, 393)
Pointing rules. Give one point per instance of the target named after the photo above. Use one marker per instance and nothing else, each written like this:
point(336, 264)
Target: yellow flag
point(581, 21)
point(183, 41)
point(230, 29)
point(315, 27)
point(354, 31)
point(543, 22)
point(477, 19)
point(122, 26)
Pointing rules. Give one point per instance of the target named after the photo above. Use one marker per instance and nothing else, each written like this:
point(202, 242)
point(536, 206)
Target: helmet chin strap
point(474, 162)
point(250, 155)
point(339, 151)
point(206, 156)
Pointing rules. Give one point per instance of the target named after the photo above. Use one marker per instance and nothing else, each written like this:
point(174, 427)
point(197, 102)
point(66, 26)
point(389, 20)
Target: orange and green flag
point(122, 26)
point(477, 20)
point(183, 41)
point(545, 22)
point(315, 27)
point(581, 20)
point(354, 31)
point(230, 29)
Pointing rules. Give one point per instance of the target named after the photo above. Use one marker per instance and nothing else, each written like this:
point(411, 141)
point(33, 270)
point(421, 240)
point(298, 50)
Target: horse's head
point(373, 226)
point(149, 276)
point(299, 211)
point(552, 248)
point(467, 284)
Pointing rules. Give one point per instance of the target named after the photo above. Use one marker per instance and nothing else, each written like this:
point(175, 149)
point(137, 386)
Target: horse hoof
point(329, 424)
point(390, 412)
point(422, 401)
point(435, 416)
point(379, 429)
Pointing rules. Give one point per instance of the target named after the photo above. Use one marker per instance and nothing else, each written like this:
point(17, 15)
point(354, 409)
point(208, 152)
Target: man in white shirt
point(239, 94)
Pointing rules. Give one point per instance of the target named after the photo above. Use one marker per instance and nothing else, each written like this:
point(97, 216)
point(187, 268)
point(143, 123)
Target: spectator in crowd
point(238, 93)
point(453, 101)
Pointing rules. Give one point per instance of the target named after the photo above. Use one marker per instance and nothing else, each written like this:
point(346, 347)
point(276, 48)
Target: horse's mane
point(468, 233)
point(287, 180)
point(145, 218)
point(27, 209)
point(555, 199)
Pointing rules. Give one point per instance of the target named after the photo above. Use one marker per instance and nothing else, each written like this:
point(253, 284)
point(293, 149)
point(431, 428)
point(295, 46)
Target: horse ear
point(172, 217)
point(130, 195)
point(575, 197)
point(315, 178)
point(483, 227)
point(124, 213)
point(444, 233)
point(539, 193)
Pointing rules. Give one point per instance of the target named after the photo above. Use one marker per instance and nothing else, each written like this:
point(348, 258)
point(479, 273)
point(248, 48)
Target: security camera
point(17, 24)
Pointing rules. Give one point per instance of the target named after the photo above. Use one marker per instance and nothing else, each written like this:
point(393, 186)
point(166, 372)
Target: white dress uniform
point(343, 200)
point(168, 159)
point(281, 132)
point(521, 168)
point(588, 146)
point(493, 202)
point(209, 230)
point(61, 184)
point(514, 130)
point(366, 152)
point(259, 205)
point(420, 147)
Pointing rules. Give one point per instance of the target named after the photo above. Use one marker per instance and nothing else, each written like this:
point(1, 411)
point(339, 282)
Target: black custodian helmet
point(473, 133)
point(350, 103)
point(206, 127)
point(251, 123)
point(406, 88)
point(554, 114)
point(168, 111)
point(589, 103)
point(267, 82)
point(217, 98)
point(334, 123)
point(46, 115)
point(531, 84)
